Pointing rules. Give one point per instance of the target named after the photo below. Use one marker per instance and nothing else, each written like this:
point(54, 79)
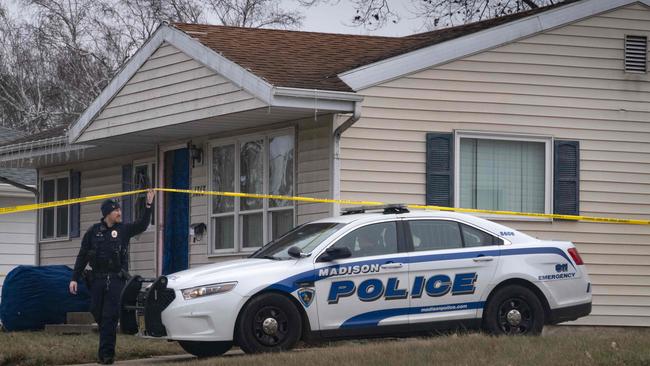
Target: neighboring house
point(17, 231)
point(544, 111)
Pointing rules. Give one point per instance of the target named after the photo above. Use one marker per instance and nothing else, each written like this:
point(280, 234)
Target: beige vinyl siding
point(567, 83)
point(313, 167)
point(17, 233)
point(169, 88)
point(100, 177)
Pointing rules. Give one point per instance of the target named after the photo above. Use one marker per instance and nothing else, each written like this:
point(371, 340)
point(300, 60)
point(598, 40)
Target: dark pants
point(105, 307)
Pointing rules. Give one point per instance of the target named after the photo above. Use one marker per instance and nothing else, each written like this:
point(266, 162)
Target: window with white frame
point(501, 172)
point(262, 164)
point(55, 220)
point(144, 176)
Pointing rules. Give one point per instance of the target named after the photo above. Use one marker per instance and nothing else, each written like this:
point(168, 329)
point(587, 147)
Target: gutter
point(336, 155)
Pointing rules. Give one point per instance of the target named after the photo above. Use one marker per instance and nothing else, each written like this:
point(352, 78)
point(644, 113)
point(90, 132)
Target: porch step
point(71, 328)
point(79, 318)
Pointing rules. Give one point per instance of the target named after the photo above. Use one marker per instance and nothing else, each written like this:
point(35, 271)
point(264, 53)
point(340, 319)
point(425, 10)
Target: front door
point(177, 210)
point(370, 288)
point(451, 265)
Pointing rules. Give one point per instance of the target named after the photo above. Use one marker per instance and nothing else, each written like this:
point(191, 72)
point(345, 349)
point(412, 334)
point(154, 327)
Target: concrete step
point(71, 328)
point(79, 318)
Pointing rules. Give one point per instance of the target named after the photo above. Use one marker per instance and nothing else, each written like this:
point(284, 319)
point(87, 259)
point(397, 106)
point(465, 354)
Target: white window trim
point(548, 169)
point(149, 162)
point(236, 213)
point(54, 177)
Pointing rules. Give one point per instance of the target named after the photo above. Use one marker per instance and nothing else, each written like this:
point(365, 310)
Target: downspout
point(336, 156)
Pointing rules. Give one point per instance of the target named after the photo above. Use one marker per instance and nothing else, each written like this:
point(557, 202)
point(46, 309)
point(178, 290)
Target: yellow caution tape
point(37, 206)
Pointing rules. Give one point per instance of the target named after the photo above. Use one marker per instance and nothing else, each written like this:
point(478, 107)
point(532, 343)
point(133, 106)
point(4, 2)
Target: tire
point(268, 323)
point(205, 349)
point(514, 310)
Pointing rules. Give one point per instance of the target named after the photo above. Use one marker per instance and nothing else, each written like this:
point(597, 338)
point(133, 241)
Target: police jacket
point(106, 249)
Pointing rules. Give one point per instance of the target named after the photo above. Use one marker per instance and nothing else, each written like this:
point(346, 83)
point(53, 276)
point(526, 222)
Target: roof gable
point(532, 23)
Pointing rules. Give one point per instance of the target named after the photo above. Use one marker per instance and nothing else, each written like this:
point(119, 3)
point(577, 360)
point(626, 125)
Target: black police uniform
point(107, 249)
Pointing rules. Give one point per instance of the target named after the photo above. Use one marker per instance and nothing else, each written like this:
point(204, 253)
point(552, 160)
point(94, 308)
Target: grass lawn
point(575, 348)
point(40, 348)
point(564, 346)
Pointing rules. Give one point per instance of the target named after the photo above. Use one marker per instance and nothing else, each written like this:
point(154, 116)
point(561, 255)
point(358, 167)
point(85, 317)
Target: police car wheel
point(205, 349)
point(268, 323)
point(514, 310)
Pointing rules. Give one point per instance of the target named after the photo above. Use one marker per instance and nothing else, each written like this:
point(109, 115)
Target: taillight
point(576, 256)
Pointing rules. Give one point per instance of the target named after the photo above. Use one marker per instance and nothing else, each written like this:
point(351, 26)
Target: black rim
point(280, 317)
point(515, 305)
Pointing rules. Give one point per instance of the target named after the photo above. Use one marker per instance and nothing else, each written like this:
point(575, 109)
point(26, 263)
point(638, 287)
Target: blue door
point(177, 212)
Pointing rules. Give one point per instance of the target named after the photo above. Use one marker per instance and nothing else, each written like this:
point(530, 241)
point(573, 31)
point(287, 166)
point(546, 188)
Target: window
point(473, 237)
point(503, 173)
point(55, 220)
point(144, 176)
point(435, 235)
point(262, 164)
point(443, 234)
point(375, 239)
point(636, 53)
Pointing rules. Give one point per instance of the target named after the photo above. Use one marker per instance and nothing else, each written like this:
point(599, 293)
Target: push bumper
point(142, 306)
point(568, 313)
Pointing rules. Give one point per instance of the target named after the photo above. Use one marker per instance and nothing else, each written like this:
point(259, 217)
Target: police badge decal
point(114, 234)
point(306, 296)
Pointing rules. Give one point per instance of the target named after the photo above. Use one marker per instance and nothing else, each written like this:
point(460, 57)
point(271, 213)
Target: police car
point(365, 274)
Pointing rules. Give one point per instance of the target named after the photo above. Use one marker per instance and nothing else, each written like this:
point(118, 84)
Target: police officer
point(105, 246)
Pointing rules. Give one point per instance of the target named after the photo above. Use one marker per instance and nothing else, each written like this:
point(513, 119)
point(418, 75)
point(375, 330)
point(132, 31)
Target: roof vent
point(636, 53)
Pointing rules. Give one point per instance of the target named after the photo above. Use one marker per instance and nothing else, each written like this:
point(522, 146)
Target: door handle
point(483, 259)
point(391, 265)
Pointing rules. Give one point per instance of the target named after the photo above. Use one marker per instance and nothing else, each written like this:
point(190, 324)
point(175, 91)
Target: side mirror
point(295, 252)
point(333, 253)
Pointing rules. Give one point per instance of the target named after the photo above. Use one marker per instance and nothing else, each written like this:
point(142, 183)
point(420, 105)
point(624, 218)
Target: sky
point(334, 17)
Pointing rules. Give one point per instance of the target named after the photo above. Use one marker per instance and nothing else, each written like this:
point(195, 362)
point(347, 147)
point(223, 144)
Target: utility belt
point(91, 276)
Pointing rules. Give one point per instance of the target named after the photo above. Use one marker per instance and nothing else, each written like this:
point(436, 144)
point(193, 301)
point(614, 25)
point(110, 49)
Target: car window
point(435, 235)
point(375, 239)
point(474, 237)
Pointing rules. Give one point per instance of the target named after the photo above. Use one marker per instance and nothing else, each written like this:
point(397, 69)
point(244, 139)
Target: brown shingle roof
point(312, 60)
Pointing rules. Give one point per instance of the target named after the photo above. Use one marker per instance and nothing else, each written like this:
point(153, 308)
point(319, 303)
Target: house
point(17, 231)
point(544, 111)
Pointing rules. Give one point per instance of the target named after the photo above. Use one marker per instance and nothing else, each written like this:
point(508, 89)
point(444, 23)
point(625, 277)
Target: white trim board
point(251, 83)
point(440, 53)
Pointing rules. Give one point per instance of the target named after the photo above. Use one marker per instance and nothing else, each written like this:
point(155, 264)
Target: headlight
point(207, 290)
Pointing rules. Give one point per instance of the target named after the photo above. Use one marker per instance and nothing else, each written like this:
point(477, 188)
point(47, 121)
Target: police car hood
point(234, 270)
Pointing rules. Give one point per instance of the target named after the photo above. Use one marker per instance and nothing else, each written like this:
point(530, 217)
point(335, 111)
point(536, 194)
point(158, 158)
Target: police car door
point(451, 264)
point(368, 289)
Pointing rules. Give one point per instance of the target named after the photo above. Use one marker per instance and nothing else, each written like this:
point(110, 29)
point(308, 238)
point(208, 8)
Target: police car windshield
point(306, 237)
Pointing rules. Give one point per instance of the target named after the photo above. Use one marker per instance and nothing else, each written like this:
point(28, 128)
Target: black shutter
point(440, 169)
point(127, 185)
point(75, 210)
point(566, 181)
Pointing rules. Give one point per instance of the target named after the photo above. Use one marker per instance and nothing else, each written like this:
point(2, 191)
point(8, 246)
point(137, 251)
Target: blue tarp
point(33, 296)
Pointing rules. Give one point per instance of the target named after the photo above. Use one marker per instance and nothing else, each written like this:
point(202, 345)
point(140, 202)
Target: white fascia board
point(193, 48)
point(394, 67)
point(315, 99)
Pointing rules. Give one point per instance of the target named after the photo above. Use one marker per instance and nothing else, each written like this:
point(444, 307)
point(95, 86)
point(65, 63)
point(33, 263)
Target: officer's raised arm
point(143, 222)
